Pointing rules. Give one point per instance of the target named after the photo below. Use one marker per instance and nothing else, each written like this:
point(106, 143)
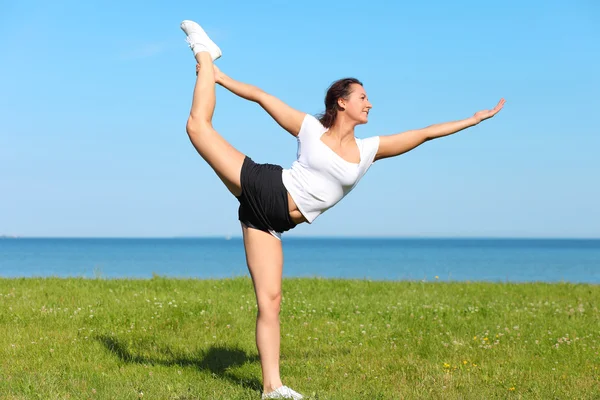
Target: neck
point(342, 130)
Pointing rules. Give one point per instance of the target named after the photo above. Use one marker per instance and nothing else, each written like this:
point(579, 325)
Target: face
point(357, 105)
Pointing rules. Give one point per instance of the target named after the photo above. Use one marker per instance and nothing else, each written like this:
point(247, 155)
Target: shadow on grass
point(217, 360)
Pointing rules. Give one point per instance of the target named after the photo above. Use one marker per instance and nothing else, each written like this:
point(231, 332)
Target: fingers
point(498, 106)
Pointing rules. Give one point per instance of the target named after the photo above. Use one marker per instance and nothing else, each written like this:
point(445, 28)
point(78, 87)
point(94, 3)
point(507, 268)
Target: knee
point(269, 305)
point(197, 126)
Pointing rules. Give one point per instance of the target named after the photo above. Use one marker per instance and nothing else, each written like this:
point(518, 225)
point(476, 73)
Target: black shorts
point(264, 198)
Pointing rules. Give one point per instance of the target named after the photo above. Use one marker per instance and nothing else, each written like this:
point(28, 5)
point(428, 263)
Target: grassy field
point(194, 339)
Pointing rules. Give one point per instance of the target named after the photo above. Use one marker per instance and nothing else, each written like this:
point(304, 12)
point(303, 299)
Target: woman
point(331, 161)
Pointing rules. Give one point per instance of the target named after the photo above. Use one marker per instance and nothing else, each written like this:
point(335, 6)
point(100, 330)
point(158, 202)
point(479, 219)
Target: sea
point(396, 259)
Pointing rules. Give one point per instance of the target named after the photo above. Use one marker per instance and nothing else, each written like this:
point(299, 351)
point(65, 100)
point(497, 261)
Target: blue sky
point(95, 96)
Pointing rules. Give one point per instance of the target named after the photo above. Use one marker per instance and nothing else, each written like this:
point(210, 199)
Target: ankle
point(270, 386)
point(202, 54)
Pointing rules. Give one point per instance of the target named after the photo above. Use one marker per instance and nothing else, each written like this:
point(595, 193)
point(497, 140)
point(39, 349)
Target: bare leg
point(264, 256)
point(224, 159)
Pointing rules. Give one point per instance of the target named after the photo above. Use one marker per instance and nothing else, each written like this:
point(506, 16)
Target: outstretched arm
point(287, 117)
point(394, 145)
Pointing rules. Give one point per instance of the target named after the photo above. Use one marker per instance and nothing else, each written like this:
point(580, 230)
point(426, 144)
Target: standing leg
point(264, 256)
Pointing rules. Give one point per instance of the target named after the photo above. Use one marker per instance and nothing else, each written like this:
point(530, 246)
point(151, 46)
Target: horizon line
point(230, 237)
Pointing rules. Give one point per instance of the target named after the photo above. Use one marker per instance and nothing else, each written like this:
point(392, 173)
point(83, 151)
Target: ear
point(341, 104)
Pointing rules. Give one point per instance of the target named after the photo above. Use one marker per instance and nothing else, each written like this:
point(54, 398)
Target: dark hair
point(338, 89)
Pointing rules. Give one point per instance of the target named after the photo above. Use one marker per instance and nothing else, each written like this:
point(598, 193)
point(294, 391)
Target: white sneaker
point(283, 392)
point(199, 40)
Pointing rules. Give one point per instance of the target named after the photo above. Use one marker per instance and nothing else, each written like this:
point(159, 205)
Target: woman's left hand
point(485, 114)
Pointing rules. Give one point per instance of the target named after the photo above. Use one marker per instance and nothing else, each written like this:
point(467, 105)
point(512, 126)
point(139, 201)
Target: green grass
point(194, 339)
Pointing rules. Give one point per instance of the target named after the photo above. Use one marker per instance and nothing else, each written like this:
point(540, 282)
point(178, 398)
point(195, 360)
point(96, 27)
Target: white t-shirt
point(320, 178)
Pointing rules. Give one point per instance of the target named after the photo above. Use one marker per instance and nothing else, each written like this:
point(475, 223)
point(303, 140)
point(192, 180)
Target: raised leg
point(224, 159)
point(264, 256)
